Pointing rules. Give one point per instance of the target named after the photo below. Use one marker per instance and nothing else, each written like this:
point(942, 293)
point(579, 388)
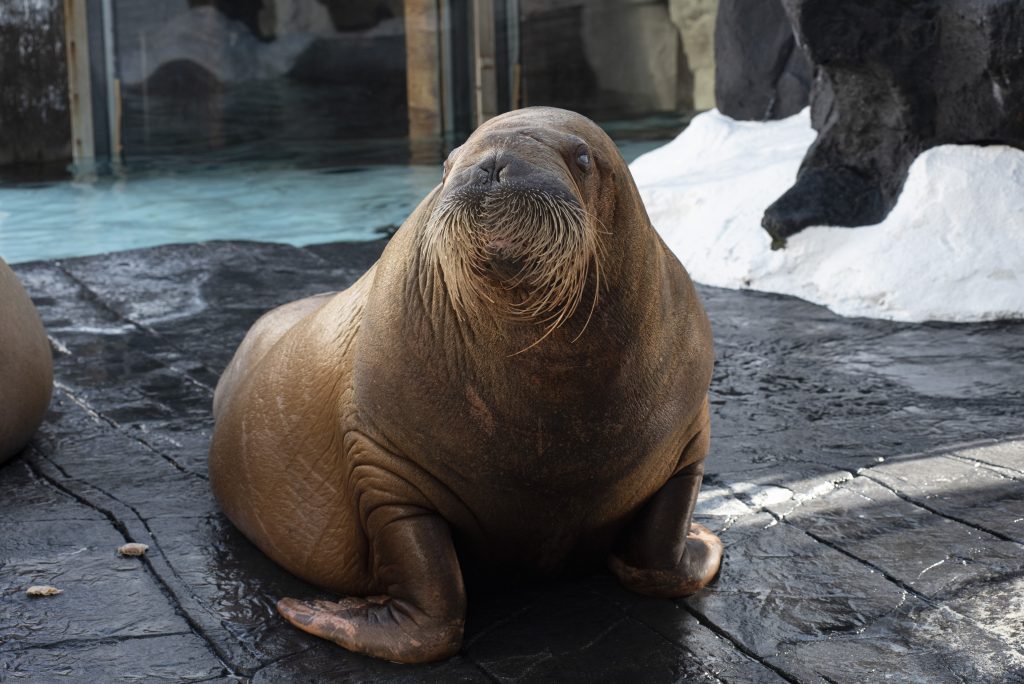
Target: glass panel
point(621, 62)
point(300, 80)
point(315, 120)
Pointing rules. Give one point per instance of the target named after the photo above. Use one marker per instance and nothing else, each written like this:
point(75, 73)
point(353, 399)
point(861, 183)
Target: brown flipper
point(421, 618)
point(664, 553)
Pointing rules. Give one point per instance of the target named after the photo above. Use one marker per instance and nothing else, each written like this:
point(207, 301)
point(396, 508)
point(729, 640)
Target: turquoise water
point(240, 201)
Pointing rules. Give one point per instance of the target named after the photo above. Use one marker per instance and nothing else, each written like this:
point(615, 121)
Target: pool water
point(242, 200)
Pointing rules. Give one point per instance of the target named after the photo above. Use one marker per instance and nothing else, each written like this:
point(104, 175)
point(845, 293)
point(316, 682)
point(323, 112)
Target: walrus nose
point(506, 169)
point(492, 170)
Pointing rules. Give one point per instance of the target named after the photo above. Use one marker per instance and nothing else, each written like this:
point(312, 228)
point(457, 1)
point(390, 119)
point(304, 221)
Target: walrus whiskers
point(547, 236)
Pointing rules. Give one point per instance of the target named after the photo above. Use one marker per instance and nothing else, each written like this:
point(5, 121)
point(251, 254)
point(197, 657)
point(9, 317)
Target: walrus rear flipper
point(666, 555)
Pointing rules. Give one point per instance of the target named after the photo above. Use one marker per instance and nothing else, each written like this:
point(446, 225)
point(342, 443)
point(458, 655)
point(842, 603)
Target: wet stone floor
point(866, 477)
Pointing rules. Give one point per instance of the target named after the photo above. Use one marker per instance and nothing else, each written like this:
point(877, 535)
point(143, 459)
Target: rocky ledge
point(867, 478)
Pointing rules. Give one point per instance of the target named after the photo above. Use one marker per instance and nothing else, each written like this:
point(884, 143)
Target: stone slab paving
point(866, 477)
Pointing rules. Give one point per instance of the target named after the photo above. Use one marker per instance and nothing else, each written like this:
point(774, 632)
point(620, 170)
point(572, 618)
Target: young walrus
point(26, 366)
point(525, 370)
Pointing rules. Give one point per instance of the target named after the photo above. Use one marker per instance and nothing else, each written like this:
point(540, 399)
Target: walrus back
point(26, 366)
point(275, 462)
point(260, 338)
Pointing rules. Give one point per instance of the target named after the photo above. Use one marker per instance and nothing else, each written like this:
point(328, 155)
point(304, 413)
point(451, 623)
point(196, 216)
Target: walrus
point(521, 376)
point(26, 366)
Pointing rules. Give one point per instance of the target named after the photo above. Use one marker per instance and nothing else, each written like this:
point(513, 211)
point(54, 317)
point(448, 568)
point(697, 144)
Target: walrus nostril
point(491, 171)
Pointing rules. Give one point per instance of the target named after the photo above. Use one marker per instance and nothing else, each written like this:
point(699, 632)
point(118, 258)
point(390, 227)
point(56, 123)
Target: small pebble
point(43, 590)
point(133, 549)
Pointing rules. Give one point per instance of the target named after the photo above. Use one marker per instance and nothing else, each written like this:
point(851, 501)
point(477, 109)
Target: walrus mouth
point(527, 252)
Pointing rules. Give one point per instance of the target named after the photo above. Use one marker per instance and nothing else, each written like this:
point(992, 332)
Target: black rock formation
point(760, 73)
point(893, 79)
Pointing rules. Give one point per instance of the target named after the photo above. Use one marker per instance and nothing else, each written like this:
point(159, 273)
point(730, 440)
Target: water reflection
point(292, 189)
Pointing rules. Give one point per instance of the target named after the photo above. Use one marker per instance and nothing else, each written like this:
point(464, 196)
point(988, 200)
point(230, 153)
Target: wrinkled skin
point(358, 434)
point(26, 366)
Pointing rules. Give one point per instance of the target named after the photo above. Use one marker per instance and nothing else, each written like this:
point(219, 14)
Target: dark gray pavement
point(866, 477)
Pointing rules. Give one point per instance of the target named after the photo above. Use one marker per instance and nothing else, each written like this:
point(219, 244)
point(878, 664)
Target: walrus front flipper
point(422, 617)
point(665, 554)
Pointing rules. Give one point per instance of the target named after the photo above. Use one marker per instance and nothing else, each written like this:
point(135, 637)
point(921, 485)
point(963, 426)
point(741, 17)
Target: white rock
point(695, 20)
point(133, 549)
point(719, 501)
point(950, 250)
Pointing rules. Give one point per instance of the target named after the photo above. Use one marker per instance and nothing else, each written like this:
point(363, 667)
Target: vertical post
point(83, 142)
point(514, 67)
point(447, 67)
point(145, 87)
point(423, 78)
point(485, 83)
point(113, 86)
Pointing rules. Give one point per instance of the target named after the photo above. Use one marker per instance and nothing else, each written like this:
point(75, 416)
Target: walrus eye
point(583, 157)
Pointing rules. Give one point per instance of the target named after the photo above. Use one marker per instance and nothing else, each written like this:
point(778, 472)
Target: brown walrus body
point(26, 366)
point(525, 369)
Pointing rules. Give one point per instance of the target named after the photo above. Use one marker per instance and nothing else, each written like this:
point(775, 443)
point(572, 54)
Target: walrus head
point(514, 228)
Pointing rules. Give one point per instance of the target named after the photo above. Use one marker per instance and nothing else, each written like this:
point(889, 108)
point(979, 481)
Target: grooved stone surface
point(866, 477)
